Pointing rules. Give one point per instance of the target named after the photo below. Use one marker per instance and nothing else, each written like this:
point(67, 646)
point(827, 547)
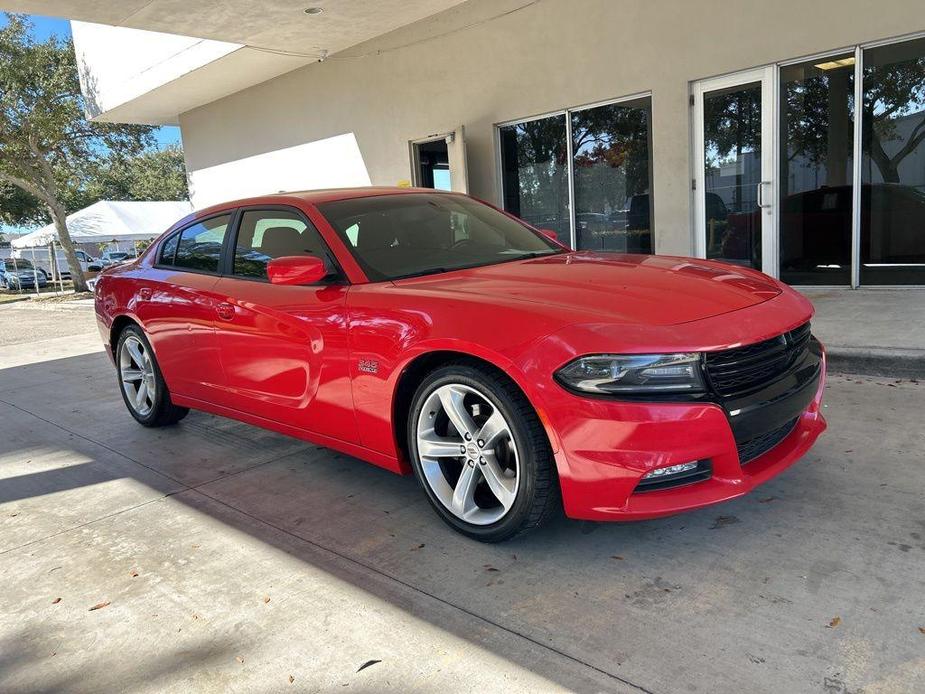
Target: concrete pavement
point(227, 558)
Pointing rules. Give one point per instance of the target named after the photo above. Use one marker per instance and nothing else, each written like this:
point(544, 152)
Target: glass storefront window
point(732, 141)
point(611, 172)
point(816, 161)
point(534, 160)
point(613, 199)
point(893, 165)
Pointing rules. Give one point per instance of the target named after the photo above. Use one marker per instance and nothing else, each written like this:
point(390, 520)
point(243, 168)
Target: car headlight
point(634, 373)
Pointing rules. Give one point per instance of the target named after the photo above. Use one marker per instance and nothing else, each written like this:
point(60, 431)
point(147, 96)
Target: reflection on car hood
point(583, 286)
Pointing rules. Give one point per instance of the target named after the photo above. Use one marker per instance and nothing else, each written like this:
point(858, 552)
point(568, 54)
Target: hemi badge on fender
point(369, 366)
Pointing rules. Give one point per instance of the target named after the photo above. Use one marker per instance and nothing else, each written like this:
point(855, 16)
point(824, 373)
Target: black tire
point(537, 497)
point(163, 412)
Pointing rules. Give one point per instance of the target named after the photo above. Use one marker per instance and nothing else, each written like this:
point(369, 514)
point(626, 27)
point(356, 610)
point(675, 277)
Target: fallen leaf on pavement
point(368, 663)
point(922, 630)
point(239, 659)
point(134, 574)
point(767, 500)
point(617, 557)
point(100, 606)
point(420, 546)
point(291, 679)
point(835, 622)
point(56, 601)
point(266, 599)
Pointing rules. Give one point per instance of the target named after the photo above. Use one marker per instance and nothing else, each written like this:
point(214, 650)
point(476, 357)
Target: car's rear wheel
point(480, 453)
point(141, 383)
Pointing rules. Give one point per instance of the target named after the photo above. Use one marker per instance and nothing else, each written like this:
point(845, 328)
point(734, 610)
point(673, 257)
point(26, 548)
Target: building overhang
point(147, 61)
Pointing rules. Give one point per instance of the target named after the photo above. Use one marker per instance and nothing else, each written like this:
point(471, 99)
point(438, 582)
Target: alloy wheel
point(468, 455)
point(136, 369)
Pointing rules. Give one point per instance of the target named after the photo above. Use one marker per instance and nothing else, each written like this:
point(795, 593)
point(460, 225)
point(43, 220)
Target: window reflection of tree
point(611, 160)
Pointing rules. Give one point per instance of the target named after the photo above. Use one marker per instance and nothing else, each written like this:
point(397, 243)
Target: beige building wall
point(471, 66)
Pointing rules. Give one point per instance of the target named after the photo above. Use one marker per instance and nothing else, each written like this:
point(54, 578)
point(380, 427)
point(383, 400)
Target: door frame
point(768, 193)
point(456, 151)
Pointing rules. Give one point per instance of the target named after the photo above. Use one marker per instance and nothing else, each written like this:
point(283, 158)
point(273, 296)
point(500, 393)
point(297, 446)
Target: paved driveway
point(225, 558)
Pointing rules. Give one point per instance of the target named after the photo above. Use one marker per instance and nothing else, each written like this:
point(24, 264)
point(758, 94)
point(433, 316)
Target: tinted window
point(169, 250)
point(534, 157)
point(266, 234)
point(611, 175)
point(200, 245)
point(394, 236)
point(893, 165)
point(816, 170)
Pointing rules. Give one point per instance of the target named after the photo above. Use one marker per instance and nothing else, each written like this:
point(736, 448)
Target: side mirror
point(296, 269)
point(549, 233)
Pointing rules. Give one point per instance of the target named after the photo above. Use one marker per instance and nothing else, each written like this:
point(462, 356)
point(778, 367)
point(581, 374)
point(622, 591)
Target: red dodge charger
point(431, 333)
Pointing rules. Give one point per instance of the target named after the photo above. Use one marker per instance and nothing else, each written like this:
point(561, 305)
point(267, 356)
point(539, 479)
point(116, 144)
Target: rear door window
point(200, 246)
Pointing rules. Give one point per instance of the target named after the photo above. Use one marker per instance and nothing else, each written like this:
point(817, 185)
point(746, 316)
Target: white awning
point(109, 220)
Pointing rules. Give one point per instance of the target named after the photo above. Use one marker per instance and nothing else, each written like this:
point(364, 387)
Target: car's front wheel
point(141, 383)
point(481, 454)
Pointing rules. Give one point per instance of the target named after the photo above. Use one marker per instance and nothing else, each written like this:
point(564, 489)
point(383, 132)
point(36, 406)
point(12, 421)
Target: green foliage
point(151, 175)
point(45, 138)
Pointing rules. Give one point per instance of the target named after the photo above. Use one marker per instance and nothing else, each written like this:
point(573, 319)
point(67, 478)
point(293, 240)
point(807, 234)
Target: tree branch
point(27, 186)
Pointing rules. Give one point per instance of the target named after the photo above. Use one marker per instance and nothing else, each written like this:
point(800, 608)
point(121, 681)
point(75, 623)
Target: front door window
point(732, 173)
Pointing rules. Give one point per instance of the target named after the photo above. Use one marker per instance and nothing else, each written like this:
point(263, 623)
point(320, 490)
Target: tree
point(893, 91)
point(151, 175)
point(47, 145)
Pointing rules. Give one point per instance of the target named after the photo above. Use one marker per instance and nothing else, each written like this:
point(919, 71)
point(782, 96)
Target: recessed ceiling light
point(835, 64)
point(313, 10)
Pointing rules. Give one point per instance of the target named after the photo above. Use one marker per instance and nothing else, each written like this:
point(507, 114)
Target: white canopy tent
point(109, 220)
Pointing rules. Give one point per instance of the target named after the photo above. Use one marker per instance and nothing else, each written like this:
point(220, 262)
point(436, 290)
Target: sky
point(44, 27)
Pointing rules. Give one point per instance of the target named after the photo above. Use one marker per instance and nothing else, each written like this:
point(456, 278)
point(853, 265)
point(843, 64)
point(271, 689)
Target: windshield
point(18, 264)
point(395, 236)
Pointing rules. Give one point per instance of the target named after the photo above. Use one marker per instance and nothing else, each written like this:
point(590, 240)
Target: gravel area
point(20, 323)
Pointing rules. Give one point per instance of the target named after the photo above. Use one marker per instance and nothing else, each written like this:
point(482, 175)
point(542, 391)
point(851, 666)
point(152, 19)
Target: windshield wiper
point(421, 273)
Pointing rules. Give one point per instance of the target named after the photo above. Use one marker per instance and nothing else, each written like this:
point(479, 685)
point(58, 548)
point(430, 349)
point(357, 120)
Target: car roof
point(315, 197)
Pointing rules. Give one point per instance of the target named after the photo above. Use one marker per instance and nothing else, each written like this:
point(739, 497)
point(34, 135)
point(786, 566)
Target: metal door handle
point(225, 311)
point(761, 202)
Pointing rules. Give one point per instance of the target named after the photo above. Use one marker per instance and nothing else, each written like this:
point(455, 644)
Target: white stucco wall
point(550, 55)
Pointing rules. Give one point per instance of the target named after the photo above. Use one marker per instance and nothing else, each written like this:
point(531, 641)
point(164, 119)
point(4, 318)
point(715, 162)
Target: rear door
point(176, 303)
point(284, 349)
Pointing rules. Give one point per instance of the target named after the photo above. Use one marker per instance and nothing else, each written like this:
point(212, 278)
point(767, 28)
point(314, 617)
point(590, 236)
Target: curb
point(877, 361)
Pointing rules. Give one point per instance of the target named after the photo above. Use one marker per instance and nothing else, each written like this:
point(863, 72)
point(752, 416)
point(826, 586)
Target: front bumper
point(607, 446)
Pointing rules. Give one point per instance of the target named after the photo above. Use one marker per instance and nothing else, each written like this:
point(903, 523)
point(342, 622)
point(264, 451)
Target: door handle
point(225, 311)
point(761, 202)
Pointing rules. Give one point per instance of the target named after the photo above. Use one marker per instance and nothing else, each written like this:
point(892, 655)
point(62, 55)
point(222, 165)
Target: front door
point(734, 191)
point(284, 348)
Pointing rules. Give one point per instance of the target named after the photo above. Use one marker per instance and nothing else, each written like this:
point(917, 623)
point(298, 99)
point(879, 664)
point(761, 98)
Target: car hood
point(628, 289)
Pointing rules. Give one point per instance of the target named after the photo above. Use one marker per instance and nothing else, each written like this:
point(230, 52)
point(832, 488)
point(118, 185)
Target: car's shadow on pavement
point(751, 585)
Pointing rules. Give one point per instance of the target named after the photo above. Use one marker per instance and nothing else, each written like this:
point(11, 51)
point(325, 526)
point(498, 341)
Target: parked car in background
point(110, 258)
point(432, 334)
point(41, 257)
point(19, 273)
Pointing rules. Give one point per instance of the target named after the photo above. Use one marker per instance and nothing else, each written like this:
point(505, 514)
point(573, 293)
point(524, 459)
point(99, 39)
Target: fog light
point(671, 470)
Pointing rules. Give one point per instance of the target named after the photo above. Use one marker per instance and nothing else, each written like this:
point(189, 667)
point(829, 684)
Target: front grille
point(758, 446)
point(743, 369)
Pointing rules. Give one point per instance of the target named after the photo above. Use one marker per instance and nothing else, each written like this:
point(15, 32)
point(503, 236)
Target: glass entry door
point(734, 189)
